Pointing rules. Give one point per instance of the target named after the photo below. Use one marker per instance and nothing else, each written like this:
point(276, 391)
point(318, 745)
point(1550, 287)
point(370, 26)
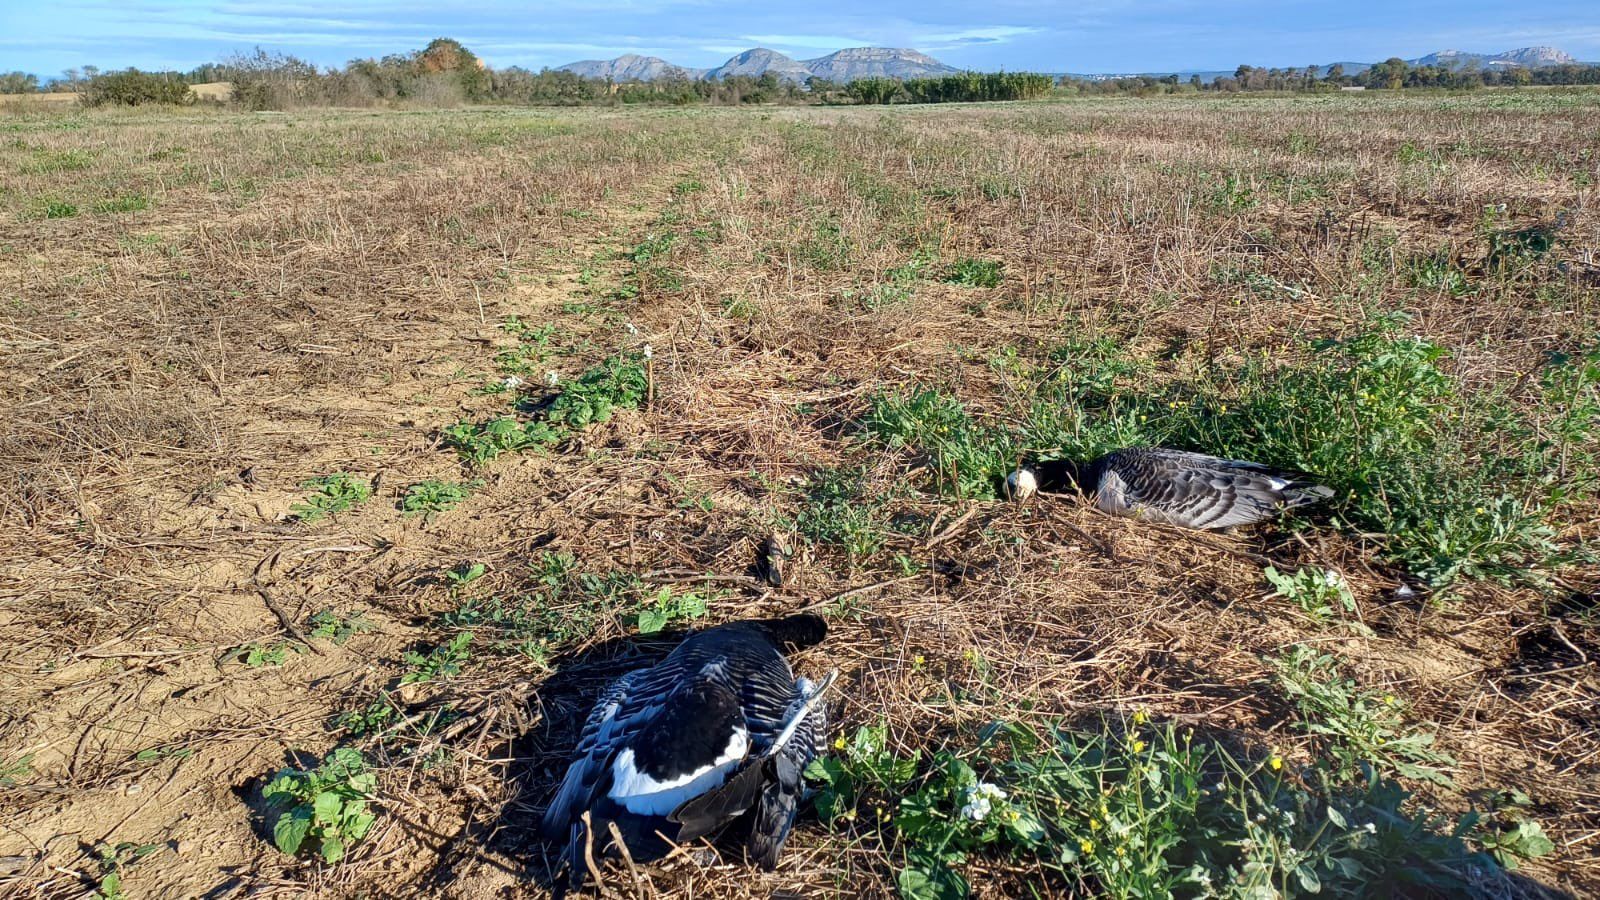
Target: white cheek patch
point(1022, 484)
point(643, 795)
point(1278, 484)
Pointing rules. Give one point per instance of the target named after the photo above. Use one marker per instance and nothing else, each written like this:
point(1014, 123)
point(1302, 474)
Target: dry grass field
point(388, 430)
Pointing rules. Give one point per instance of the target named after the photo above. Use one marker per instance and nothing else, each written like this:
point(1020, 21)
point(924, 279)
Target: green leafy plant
point(839, 512)
point(328, 624)
point(132, 203)
point(1361, 727)
point(1322, 593)
point(324, 809)
point(980, 273)
point(481, 442)
point(1139, 810)
point(370, 719)
point(616, 383)
point(257, 655)
point(153, 754)
point(333, 493)
point(464, 574)
point(425, 498)
point(666, 607)
point(114, 860)
point(967, 460)
point(442, 661)
point(861, 770)
point(12, 773)
point(619, 382)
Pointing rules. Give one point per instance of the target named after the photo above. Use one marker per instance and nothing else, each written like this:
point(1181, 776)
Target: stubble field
point(393, 430)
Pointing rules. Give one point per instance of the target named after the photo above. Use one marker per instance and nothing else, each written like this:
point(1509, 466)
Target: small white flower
point(977, 809)
point(512, 382)
point(985, 789)
point(1370, 828)
point(649, 351)
point(552, 378)
point(631, 328)
point(981, 798)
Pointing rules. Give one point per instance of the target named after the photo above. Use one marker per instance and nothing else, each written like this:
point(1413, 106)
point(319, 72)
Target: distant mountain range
point(843, 66)
point(888, 62)
point(1525, 58)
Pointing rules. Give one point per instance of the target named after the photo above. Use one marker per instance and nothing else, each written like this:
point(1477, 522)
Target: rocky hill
point(876, 62)
point(843, 66)
point(631, 67)
point(760, 61)
point(1525, 57)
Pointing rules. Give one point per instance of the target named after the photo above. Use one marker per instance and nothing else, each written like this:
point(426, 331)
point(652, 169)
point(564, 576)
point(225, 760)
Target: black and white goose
point(672, 753)
point(1192, 490)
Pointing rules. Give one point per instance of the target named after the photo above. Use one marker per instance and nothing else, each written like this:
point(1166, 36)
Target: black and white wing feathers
point(1194, 490)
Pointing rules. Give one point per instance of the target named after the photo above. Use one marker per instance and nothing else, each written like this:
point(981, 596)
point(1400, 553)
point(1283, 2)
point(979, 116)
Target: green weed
point(256, 655)
point(839, 512)
point(443, 661)
point(979, 273)
point(325, 809)
point(425, 498)
point(1138, 812)
point(334, 493)
point(1360, 728)
point(1322, 593)
point(967, 460)
point(52, 162)
point(666, 608)
point(114, 860)
point(12, 773)
point(617, 383)
point(58, 209)
point(330, 625)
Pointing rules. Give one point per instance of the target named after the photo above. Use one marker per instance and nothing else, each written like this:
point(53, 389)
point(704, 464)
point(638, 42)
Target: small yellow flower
point(1138, 746)
point(1224, 407)
point(1479, 510)
point(1122, 851)
point(917, 660)
point(1086, 845)
point(1276, 763)
point(1094, 824)
point(838, 743)
point(1389, 700)
point(1140, 717)
point(1172, 405)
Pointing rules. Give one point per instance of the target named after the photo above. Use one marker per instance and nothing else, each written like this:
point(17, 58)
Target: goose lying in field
point(1174, 486)
point(672, 753)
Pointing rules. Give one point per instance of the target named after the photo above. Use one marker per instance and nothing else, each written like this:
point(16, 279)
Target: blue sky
point(46, 36)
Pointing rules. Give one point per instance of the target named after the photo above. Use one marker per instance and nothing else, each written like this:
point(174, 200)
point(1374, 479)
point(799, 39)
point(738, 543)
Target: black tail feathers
point(796, 632)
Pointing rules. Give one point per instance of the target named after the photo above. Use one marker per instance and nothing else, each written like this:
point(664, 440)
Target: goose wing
point(603, 733)
point(1199, 491)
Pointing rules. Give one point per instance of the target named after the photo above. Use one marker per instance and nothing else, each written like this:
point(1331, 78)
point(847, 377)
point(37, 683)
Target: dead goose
point(718, 729)
point(1192, 490)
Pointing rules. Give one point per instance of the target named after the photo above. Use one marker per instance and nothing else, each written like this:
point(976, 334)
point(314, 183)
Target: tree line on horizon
point(446, 73)
point(1391, 74)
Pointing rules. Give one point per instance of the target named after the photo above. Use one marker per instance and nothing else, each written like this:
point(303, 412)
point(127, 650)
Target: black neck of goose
point(1058, 475)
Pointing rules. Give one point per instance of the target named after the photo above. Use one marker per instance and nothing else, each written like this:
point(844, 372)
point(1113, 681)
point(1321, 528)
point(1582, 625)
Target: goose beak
point(1021, 484)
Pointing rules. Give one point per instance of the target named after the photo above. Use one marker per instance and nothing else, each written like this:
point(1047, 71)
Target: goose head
point(1022, 484)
